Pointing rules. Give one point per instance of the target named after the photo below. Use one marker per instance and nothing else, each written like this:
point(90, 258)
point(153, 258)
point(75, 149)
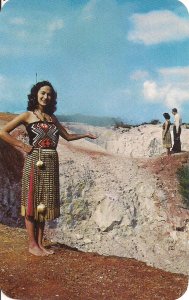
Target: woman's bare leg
point(40, 232)
point(168, 151)
point(33, 245)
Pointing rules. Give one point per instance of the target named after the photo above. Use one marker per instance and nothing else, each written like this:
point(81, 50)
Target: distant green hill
point(91, 120)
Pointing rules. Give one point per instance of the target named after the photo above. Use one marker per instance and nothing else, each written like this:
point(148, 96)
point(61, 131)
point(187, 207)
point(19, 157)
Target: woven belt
point(43, 149)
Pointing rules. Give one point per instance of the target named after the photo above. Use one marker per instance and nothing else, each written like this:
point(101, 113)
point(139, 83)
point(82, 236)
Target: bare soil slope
point(70, 274)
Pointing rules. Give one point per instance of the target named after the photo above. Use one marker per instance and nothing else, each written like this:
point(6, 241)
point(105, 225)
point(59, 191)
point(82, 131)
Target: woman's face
point(44, 95)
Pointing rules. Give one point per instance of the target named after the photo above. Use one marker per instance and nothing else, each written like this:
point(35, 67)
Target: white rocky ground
point(112, 206)
point(141, 141)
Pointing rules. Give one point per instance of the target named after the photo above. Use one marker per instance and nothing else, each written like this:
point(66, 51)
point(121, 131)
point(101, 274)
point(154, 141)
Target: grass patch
point(183, 177)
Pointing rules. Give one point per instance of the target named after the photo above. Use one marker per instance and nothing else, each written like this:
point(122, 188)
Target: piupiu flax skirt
point(41, 185)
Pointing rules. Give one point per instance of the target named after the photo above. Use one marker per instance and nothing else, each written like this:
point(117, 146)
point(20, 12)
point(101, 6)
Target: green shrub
point(120, 124)
point(152, 122)
point(183, 177)
point(155, 122)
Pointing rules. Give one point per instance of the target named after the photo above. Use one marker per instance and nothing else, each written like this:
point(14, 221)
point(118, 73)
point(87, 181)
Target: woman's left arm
point(68, 136)
point(166, 129)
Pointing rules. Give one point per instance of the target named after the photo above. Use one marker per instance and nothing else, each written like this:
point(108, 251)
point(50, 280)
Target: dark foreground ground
point(71, 274)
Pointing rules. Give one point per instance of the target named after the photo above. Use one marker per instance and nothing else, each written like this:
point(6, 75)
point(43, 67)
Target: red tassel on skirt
point(30, 209)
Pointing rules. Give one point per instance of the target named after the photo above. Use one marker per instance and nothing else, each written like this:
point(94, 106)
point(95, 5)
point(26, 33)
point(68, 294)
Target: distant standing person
point(166, 134)
point(176, 131)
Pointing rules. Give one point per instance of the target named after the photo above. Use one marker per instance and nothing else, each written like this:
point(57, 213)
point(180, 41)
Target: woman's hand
point(91, 136)
point(27, 148)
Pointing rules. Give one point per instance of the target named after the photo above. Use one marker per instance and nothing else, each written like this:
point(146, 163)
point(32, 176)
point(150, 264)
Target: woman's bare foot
point(36, 251)
point(46, 251)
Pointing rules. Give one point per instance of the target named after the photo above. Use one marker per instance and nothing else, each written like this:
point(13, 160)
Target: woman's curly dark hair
point(33, 101)
point(166, 116)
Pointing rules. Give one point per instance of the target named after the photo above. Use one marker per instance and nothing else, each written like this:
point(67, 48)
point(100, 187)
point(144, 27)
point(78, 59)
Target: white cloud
point(56, 25)
point(16, 40)
point(150, 90)
point(175, 73)
point(107, 10)
point(88, 10)
point(158, 27)
point(53, 27)
point(170, 88)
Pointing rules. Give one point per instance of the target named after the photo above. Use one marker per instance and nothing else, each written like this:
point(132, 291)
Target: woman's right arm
point(5, 132)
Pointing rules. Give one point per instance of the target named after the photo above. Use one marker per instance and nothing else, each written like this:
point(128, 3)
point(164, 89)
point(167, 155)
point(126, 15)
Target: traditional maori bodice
point(43, 134)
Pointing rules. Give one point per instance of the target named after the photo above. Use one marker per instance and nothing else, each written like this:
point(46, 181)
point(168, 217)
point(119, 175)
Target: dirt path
point(70, 274)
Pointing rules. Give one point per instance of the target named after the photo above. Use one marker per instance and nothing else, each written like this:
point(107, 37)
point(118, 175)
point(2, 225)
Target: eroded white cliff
point(110, 204)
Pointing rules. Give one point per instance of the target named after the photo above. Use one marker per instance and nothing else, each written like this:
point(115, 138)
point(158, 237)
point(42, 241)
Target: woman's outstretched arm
point(69, 136)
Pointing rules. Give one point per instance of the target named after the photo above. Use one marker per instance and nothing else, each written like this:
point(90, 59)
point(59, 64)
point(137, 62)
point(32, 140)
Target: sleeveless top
point(168, 126)
point(43, 134)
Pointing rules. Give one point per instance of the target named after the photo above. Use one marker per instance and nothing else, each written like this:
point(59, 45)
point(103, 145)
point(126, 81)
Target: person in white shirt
point(176, 131)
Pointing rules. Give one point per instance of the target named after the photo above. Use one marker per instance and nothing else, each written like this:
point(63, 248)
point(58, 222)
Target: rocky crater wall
point(109, 204)
point(141, 141)
point(112, 206)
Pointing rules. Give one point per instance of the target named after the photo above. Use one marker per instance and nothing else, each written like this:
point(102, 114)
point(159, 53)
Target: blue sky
point(117, 58)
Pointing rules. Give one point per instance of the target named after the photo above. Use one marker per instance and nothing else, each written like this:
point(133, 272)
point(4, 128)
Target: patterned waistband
point(44, 149)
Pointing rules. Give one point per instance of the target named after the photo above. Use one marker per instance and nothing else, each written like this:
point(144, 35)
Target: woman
point(40, 181)
point(166, 134)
